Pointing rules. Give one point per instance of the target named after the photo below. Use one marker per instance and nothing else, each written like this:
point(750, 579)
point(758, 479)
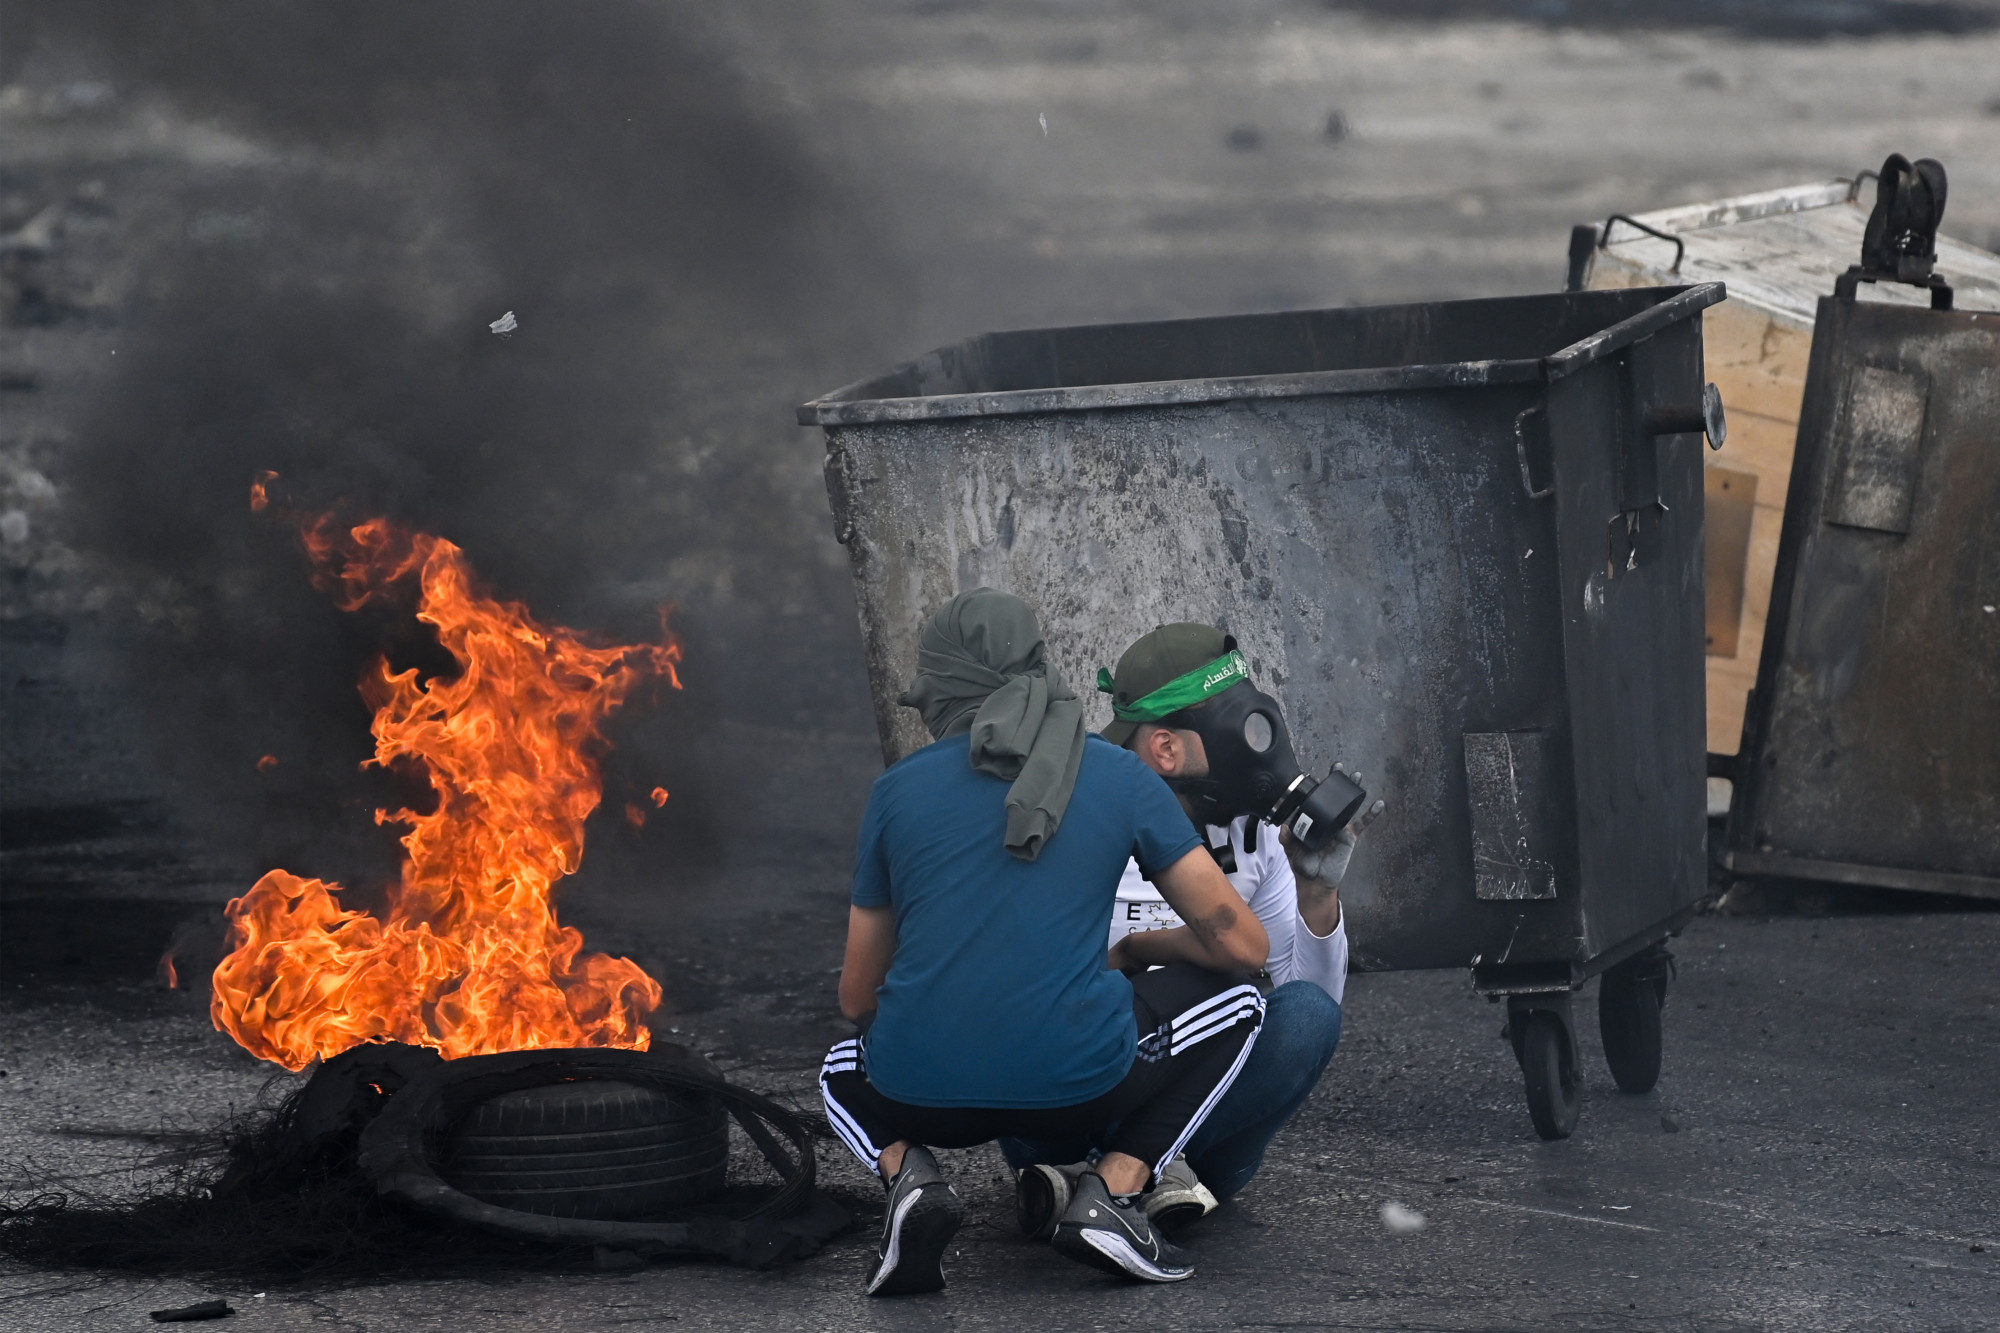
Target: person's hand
point(1328, 866)
point(1119, 959)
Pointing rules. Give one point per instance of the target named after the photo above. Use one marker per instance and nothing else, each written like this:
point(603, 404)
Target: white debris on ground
point(1401, 1221)
point(505, 325)
point(36, 236)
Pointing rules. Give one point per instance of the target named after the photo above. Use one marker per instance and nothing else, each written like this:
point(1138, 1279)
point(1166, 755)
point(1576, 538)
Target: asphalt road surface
point(1818, 1153)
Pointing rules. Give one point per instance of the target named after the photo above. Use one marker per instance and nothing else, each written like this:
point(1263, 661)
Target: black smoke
point(318, 305)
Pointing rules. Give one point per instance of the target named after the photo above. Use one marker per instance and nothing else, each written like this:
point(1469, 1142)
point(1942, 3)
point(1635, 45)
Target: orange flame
point(468, 958)
point(659, 796)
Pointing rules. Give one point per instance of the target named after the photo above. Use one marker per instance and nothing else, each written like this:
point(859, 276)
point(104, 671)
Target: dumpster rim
point(1166, 393)
point(834, 410)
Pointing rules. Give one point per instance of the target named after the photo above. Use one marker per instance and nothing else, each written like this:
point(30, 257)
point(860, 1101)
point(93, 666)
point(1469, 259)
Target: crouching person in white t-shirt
point(1160, 680)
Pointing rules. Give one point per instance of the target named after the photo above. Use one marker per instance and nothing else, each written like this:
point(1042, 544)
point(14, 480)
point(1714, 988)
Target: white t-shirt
point(1264, 878)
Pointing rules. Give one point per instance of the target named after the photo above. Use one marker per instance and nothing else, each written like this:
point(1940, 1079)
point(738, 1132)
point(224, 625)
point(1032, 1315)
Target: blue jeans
point(1301, 1030)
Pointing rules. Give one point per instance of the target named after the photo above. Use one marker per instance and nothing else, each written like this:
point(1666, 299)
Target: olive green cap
point(1158, 664)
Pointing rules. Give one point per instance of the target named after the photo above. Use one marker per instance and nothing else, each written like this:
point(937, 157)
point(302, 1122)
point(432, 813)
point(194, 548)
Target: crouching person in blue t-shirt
point(976, 964)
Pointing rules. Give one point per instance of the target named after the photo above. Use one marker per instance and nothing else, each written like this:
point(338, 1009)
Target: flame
point(635, 814)
point(468, 957)
point(267, 763)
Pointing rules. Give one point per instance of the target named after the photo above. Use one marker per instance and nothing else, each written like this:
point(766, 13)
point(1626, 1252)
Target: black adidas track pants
point(1195, 1031)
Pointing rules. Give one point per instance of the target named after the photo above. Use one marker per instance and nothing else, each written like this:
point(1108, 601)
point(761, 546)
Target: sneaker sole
point(1051, 1196)
point(1114, 1254)
point(1176, 1207)
point(1174, 1216)
point(924, 1224)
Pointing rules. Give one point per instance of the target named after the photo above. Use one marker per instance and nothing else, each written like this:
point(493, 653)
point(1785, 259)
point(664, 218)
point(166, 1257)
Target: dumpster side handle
point(1521, 452)
point(1625, 332)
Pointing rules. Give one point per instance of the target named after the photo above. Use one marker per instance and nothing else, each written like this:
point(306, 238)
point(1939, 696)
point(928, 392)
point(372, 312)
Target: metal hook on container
point(1680, 246)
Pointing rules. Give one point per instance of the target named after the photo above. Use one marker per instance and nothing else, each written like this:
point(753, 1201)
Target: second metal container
point(1871, 751)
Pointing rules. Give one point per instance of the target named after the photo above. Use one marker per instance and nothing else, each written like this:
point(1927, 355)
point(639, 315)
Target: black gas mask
point(1251, 770)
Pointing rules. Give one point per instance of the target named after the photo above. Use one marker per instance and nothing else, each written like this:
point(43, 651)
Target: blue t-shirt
point(998, 994)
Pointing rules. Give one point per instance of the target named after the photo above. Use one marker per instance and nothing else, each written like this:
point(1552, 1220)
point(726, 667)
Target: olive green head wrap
point(981, 669)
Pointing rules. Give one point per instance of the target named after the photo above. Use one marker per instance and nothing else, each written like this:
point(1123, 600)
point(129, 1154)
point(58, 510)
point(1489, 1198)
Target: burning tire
point(409, 1137)
point(597, 1149)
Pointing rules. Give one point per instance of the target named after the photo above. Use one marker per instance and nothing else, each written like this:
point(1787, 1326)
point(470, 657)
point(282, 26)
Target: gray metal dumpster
point(1460, 541)
point(1871, 746)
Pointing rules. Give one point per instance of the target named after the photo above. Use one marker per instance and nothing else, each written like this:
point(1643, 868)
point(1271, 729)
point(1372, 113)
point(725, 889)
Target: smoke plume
point(320, 306)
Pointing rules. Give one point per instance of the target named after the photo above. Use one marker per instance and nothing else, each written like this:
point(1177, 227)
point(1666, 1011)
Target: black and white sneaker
point(923, 1213)
point(1178, 1197)
point(1041, 1193)
point(1117, 1236)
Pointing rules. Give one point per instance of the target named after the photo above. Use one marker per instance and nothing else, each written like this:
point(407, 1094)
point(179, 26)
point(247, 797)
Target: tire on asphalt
point(590, 1149)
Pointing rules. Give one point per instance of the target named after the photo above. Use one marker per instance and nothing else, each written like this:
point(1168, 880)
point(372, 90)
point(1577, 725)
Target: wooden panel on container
point(1764, 531)
point(1758, 361)
point(1729, 503)
point(1760, 445)
point(1728, 699)
point(1730, 678)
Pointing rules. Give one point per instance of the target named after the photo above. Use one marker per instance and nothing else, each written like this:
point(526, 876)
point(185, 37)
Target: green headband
point(1197, 686)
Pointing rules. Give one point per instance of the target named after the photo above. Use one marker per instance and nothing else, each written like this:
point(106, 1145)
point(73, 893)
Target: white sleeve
point(1264, 878)
point(1322, 959)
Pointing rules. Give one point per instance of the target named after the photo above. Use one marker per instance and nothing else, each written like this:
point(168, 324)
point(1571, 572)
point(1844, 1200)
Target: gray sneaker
point(1117, 1237)
point(1178, 1197)
point(922, 1214)
point(1040, 1195)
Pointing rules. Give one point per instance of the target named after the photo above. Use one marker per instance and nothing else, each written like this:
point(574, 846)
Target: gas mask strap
point(1224, 853)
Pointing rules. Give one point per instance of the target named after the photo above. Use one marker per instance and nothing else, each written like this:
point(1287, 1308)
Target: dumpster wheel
point(1548, 1068)
point(1629, 1000)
